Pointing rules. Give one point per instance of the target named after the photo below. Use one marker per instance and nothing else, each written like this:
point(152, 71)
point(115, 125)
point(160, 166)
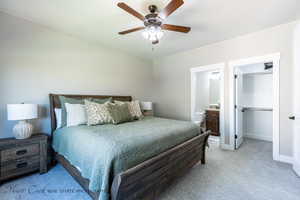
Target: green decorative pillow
point(63, 100)
point(134, 108)
point(119, 113)
point(101, 101)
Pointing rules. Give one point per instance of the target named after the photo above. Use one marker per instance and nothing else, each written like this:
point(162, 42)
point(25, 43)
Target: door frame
point(217, 67)
point(275, 58)
point(296, 148)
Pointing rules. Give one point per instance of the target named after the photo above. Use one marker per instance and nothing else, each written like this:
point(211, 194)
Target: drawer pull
point(21, 165)
point(21, 152)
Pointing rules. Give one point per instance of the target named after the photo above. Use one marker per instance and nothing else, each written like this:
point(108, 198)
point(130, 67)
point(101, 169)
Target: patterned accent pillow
point(134, 108)
point(97, 113)
point(119, 113)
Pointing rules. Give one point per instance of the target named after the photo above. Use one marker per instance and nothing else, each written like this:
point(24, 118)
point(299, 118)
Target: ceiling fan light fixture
point(153, 22)
point(153, 33)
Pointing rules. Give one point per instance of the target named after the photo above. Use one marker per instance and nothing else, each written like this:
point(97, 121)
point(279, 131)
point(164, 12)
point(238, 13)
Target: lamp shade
point(146, 105)
point(22, 111)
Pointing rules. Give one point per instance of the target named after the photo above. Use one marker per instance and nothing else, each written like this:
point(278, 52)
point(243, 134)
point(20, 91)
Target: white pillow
point(76, 114)
point(57, 112)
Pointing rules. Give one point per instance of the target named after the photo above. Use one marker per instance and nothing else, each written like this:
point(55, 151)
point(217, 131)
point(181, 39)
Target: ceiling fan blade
point(133, 12)
point(182, 29)
point(170, 8)
point(131, 30)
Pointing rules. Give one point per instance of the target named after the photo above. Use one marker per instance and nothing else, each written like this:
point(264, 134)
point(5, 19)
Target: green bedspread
point(101, 152)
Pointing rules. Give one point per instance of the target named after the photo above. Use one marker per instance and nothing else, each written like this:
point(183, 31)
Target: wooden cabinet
point(19, 157)
point(213, 121)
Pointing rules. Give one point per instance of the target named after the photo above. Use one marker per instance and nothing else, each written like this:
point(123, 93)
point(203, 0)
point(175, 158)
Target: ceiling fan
point(153, 22)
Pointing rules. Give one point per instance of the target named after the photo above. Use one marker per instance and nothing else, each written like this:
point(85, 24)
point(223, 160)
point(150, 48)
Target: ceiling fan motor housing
point(152, 8)
point(152, 19)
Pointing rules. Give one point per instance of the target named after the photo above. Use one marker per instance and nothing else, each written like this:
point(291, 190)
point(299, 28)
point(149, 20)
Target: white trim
point(286, 159)
point(296, 123)
point(213, 140)
point(259, 137)
point(218, 67)
point(255, 60)
point(227, 147)
point(275, 58)
point(276, 106)
point(208, 68)
point(296, 167)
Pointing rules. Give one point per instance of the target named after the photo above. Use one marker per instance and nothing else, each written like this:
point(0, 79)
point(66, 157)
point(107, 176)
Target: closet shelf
point(256, 109)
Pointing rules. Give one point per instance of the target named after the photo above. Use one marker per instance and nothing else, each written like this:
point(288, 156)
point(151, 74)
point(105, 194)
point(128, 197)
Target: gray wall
point(172, 75)
point(35, 61)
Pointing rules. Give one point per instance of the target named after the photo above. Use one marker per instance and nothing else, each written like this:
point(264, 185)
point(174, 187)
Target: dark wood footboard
point(148, 179)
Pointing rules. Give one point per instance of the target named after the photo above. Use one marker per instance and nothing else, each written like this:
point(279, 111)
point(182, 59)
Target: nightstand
point(213, 121)
point(148, 113)
point(19, 157)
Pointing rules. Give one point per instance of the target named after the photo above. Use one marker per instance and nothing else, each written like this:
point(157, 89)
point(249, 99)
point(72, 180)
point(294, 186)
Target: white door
point(238, 109)
point(297, 101)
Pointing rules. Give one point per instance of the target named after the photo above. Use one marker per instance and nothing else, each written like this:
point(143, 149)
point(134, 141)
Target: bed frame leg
point(204, 149)
point(53, 161)
point(203, 158)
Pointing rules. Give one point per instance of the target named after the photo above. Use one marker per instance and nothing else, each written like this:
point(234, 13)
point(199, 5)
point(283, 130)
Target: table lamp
point(147, 108)
point(22, 112)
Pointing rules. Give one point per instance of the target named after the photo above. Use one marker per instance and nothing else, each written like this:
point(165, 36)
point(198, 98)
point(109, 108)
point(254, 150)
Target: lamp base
point(22, 130)
point(148, 113)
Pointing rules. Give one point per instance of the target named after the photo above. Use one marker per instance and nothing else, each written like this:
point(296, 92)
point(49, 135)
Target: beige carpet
point(246, 174)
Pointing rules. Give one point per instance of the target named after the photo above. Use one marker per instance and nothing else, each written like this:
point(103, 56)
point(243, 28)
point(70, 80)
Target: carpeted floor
point(247, 174)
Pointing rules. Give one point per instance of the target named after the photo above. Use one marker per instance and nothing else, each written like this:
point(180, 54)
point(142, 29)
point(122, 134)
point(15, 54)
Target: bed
point(134, 160)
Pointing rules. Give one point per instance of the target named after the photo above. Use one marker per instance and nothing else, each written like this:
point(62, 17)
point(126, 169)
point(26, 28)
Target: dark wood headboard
point(55, 103)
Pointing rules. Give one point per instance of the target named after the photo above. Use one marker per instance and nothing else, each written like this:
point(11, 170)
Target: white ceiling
point(101, 20)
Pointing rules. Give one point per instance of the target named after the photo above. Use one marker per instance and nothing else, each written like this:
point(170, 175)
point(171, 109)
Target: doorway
point(207, 100)
point(254, 101)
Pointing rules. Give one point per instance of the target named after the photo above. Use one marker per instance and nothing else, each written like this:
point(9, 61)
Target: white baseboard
point(227, 147)
point(259, 137)
point(296, 168)
point(214, 139)
point(285, 159)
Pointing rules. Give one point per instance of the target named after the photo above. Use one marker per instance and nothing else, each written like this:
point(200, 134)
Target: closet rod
point(256, 109)
point(258, 73)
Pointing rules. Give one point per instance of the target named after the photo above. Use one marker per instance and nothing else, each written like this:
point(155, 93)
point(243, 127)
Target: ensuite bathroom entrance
point(207, 99)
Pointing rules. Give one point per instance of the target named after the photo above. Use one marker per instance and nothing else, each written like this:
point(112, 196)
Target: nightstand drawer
point(19, 152)
point(20, 166)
